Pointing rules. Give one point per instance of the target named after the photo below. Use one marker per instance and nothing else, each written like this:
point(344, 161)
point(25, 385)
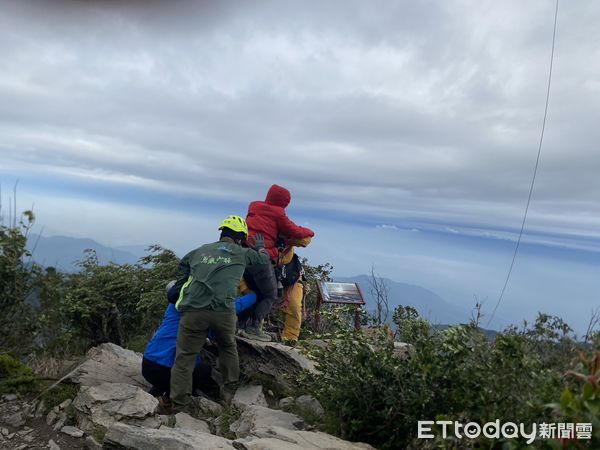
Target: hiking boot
point(255, 333)
point(165, 406)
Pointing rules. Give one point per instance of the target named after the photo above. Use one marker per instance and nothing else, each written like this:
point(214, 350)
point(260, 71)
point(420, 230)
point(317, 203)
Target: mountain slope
point(430, 305)
point(62, 252)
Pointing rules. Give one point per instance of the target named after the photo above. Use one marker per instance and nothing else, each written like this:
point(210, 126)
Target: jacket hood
point(278, 196)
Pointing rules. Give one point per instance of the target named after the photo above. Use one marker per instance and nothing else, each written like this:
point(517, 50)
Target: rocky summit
point(113, 410)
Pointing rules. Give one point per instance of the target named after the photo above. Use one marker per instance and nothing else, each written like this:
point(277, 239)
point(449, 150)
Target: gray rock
point(274, 437)
point(62, 419)
point(108, 363)
point(40, 409)
point(4, 431)
point(53, 445)
point(15, 420)
point(72, 431)
point(110, 402)
point(92, 444)
point(247, 395)
point(56, 409)
point(287, 403)
point(29, 438)
point(272, 360)
point(187, 422)
point(123, 436)
point(257, 417)
point(64, 405)
point(204, 407)
point(266, 444)
point(51, 418)
point(10, 436)
point(25, 431)
point(309, 404)
point(9, 397)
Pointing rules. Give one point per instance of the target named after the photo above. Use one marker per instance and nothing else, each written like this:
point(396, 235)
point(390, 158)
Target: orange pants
point(293, 312)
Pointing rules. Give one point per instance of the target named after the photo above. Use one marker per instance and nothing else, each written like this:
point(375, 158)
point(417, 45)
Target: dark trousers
point(191, 337)
point(263, 279)
point(159, 377)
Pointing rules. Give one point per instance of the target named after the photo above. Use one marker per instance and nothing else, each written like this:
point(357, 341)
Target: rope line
point(537, 163)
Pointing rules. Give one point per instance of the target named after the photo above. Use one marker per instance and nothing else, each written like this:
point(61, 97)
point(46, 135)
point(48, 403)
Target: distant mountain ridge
point(63, 252)
point(429, 304)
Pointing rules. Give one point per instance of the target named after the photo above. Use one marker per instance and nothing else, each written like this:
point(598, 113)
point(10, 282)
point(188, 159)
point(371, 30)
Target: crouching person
point(159, 355)
point(209, 278)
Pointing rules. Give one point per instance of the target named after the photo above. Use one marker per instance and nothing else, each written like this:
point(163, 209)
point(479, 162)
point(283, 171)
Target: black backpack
point(289, 273)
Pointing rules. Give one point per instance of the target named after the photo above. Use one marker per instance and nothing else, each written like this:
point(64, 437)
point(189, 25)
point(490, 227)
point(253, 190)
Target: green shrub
point(371, 395)
point(581, 403)
point(16, 377)
point(58, 394)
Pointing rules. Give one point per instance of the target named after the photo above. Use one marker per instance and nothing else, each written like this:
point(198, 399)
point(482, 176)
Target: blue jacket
point(162, 347)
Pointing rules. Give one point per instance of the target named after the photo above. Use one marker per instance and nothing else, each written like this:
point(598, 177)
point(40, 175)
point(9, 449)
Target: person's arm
point(257, 255)
point(245, 302)
point(291, 230)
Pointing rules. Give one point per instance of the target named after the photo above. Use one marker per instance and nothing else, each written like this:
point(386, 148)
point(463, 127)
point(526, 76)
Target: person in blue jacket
point(159, 356)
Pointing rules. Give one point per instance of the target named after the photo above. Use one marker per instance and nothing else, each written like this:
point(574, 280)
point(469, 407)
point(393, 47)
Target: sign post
point(340, 294)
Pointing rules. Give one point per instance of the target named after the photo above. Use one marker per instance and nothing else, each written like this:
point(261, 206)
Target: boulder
point(287, 403)
point(257, 417)
point(108, 363)
point(187, 422)
point(123, 436)
point(113, 402)
point(274, 437)
point(310, 405)
point(272, 360)
point(248, 395)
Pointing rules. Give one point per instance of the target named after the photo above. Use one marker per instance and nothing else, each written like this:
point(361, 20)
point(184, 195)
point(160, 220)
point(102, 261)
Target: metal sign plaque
point(341, 293)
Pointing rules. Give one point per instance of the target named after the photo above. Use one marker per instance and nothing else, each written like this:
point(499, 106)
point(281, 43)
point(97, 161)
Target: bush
point(16, 377)
point(58, 394)
point(371, 395)
point(581, 403)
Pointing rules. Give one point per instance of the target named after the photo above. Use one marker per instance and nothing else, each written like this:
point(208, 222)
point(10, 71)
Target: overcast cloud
point(381, 111)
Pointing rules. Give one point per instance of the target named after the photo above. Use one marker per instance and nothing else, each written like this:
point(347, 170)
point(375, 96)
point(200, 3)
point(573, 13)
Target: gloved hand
point(259, 242)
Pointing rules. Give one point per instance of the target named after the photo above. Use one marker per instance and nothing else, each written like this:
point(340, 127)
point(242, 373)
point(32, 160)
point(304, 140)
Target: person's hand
point(259, 242)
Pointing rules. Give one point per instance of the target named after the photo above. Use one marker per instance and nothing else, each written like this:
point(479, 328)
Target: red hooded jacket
point(269, 218)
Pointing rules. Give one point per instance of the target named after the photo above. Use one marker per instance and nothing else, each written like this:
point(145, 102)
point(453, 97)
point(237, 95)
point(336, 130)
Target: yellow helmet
point(235, 223)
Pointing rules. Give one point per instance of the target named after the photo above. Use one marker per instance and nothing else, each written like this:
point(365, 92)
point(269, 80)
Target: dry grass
point(51, 367)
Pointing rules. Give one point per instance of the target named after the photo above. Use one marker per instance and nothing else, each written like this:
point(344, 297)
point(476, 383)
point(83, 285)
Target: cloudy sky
point(406, 131)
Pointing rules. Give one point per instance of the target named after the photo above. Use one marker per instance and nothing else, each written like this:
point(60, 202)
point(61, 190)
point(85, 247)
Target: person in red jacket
point(269, 219)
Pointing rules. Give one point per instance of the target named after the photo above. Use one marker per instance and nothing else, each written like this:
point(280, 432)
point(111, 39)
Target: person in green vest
point(209, 277)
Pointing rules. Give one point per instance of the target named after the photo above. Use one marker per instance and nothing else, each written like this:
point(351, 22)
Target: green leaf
point(588, 390)
point(566, 399)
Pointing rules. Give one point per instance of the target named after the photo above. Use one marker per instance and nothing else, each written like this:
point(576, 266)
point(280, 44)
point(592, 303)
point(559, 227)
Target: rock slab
point(109, 363)
point(275, 438)
point(114, 402)
point(123, 436)
point(187, 422)
point(258, 417)
point(248, 395)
